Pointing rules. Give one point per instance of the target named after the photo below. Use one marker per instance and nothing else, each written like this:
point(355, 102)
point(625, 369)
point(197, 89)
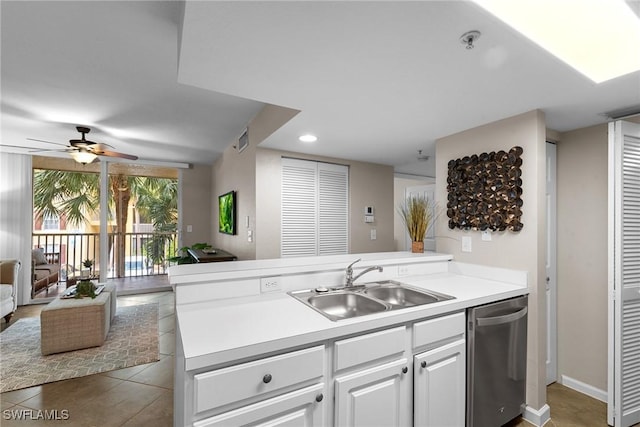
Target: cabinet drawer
point(236, 383)
point(438, 329)
point(370, 347)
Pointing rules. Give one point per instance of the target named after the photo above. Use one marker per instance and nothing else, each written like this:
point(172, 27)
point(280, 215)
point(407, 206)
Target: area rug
point(132, 340)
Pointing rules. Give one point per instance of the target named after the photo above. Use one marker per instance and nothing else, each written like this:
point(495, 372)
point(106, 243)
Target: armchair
point(8, 287)
point(44, 272)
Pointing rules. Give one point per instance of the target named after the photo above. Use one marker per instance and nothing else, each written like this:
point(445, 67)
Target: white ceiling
point(376, 81)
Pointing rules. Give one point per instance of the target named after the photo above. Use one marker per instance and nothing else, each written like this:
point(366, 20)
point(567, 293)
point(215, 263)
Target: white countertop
point(224, 331)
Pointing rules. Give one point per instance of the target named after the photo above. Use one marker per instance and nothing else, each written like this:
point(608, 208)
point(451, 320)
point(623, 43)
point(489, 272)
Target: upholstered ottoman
point(73, 324)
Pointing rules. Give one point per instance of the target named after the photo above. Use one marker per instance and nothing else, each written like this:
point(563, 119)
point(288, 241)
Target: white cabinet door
point(301, 408)
point(377, 396)
point(439, 386)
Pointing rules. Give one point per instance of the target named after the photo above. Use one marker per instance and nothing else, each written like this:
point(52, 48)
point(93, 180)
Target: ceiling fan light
point(83, 157)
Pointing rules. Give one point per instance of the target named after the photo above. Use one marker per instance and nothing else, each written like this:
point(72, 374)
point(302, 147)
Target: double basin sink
point(359, 300)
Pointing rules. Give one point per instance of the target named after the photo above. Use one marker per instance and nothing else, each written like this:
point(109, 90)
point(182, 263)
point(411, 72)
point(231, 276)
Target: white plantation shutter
point(624, 402)
point(333, 209)
point(314, 208)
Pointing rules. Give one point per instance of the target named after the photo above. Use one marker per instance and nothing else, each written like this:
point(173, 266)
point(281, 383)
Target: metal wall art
point(485, 191)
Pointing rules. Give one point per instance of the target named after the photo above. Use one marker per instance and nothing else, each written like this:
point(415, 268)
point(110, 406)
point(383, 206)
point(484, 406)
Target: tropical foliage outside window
point(75, 196)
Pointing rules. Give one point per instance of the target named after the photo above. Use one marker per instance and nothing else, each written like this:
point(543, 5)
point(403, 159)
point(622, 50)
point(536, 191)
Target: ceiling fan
point(84, 151)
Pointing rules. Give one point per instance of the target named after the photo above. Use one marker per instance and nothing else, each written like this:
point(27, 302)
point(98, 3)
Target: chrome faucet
point(349, 272)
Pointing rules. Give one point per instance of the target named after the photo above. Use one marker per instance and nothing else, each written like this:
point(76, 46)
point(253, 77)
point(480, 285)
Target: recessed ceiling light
point(307, 137)
point(598, 38)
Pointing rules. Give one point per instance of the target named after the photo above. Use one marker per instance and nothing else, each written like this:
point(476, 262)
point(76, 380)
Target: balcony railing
point(145, 254)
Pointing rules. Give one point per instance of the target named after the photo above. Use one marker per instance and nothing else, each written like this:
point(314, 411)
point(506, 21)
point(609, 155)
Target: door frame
point(551, 263)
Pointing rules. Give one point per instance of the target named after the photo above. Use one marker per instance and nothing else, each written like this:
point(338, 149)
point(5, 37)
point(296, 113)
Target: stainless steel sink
point(400, 295)
point(342, 305)
point(346, 302)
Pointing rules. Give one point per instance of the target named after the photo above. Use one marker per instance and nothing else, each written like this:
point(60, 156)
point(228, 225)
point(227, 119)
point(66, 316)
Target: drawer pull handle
point(405, 370)
point(267, 379)
point(319, 397)
point(423, 364)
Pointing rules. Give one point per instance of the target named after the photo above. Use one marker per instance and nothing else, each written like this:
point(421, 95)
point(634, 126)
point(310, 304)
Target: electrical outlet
point(270, 284)
point(403, 270)
point(486, 236)
point(374, 234)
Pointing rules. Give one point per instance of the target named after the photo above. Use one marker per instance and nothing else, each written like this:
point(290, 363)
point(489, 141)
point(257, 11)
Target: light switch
point(189, 228)
point(466, 243)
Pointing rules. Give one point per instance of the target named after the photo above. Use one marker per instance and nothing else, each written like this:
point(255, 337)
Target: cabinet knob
point(423, 364)
point(405, 370)
point(319, 397)
point(267, 379)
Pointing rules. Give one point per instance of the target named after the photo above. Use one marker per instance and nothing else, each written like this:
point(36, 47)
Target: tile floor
point(143, 395)
point(136, 396)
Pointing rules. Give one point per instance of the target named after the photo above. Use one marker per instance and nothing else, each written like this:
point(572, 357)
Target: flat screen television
point(227, 213)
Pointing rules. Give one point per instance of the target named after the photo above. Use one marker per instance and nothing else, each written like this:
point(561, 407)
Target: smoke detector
point(469, 38)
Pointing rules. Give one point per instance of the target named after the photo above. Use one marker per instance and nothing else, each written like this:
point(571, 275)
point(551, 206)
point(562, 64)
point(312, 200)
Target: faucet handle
point(351, 265)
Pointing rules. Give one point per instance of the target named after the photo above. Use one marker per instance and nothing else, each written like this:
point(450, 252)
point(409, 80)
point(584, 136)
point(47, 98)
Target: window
point(315, 208)
point(51, 222)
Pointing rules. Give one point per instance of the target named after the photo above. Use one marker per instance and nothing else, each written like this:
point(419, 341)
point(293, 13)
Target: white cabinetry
point(439, 372)
point(373, 383)
point(412, 374)
point(301, 408)
point(439, 386)
point(374, 396)
point(281, 390)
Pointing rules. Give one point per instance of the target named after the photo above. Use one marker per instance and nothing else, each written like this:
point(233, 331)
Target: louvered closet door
point(314, 208)
point(624, 349)
point(299, 208)
point(333, 208)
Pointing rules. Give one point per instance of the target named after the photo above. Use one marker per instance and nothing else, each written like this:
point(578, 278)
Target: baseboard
point(584, 388)
point(537, 417)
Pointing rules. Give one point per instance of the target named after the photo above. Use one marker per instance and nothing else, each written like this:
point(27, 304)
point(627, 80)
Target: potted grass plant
point(416, 213)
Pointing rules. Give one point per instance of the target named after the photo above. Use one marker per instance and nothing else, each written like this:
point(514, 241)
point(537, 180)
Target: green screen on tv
point(227, 213)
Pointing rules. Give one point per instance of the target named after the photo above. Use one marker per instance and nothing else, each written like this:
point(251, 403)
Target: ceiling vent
point(622, 113)
point(243, 141)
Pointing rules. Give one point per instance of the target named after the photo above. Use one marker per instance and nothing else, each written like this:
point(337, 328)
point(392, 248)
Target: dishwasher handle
point(501, 320)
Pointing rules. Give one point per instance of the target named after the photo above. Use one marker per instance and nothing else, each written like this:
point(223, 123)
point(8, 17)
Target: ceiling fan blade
point(101, 146)
point(48, 142)
point(114, 154)
point(13, 146)
point(61, 150)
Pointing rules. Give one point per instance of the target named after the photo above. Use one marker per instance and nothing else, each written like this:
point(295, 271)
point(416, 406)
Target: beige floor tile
point(94, 407)
point(19, 396)
point(167, 324)
point(166, 310)
point(126, 373)
point(59, 395)
point(157, 414)
point(159, 374)
point(167, 343)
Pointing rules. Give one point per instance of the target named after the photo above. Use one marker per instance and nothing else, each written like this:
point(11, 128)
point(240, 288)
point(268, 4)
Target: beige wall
point(369, 185)
point(237, 171)
point(524, 250)
point(195, 195)
point(582, 255)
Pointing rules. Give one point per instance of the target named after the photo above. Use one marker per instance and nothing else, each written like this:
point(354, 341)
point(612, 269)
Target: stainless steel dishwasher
point(497, 362)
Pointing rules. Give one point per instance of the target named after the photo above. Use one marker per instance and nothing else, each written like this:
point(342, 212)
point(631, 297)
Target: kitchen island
point(248, 351)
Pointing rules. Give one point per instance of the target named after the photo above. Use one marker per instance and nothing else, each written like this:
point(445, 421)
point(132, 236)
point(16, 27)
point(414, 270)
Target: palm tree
point(76, 196)
point(157, 199)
